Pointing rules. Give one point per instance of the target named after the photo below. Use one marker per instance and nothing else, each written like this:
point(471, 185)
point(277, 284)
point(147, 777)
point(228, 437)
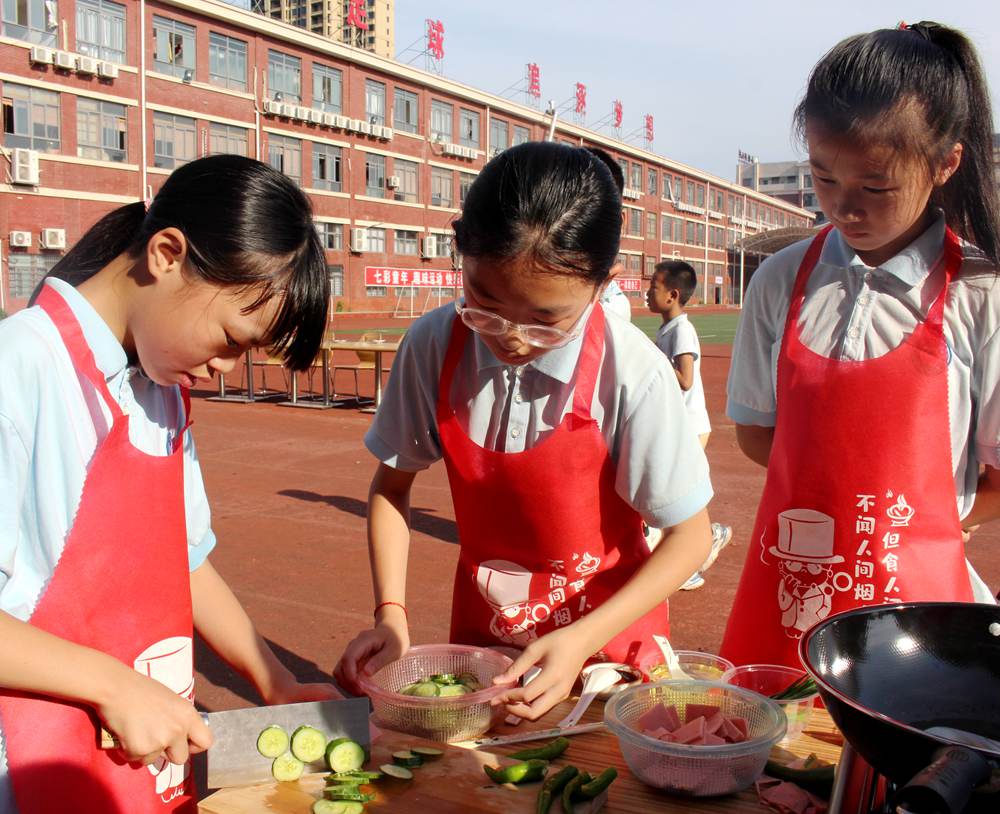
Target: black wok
point(888, 673)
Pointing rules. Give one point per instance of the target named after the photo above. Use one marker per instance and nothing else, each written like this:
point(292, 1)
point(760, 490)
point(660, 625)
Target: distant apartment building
point(786, 180)
point(102, 100)
point(330, 18)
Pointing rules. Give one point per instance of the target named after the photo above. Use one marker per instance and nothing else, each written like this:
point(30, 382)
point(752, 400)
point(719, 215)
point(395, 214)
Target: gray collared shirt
point(661, 470)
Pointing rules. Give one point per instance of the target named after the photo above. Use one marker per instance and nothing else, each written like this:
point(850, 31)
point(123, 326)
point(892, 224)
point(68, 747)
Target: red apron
point(544, 536)
point(121, 586)
point(859, 504)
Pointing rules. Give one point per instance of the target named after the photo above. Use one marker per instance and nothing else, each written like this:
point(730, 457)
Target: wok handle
point(946, 785)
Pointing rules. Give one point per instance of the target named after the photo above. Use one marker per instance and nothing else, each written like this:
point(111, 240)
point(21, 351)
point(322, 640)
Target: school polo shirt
point(853, 311)
point(661, 470)
point(676, 338)
point(615, 301)
point(47, 440)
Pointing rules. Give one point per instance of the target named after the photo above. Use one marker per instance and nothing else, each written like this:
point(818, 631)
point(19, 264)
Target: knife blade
point(233, 759)
point(536, 735)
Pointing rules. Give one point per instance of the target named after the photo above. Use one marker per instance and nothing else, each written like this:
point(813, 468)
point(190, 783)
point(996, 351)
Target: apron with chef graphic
point(545, 538)
point(859, 504)
point(121, 586)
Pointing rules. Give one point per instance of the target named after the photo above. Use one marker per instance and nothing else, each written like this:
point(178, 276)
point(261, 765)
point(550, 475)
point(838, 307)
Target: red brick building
point(101, 99)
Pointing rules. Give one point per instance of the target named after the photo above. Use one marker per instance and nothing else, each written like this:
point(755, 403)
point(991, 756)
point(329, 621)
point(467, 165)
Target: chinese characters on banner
point(649, 127)
point(878, 555)
point(581, 98)
point(357, 14)
point(616, 114)
point(411, 278)
point(435, 39)
point(629, 283)
point(534, 80)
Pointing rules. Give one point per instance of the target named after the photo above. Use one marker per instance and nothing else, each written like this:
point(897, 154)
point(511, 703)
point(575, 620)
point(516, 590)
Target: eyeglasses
point(539, 336)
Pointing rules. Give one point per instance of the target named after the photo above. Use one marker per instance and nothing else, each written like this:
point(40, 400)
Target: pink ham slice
point(787, 798)
point(691, 732)
point(705, 725)
point(660, 717)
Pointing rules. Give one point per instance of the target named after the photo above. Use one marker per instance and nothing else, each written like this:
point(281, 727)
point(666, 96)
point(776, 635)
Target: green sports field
point(713, 328)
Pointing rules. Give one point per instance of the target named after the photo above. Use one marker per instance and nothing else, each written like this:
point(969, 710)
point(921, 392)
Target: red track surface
point(288, 490)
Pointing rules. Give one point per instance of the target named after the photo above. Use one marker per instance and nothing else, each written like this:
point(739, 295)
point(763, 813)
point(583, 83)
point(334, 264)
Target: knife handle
point(107, 741)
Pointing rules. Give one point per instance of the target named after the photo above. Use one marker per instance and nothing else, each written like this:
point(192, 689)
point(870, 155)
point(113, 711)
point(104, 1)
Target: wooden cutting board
point(454, 783)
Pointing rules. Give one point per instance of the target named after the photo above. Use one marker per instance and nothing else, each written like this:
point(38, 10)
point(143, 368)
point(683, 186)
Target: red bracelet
point(381, 605)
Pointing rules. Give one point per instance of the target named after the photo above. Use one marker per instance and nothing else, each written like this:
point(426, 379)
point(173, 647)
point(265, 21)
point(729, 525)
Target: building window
point(336, 280)
point(498, 136)
point(375, 175)
point(174, 46)
point(26, 272)
point(100, 29)
point(405, 112)
point(327, 88)
point(667, 186)
point(468, 128)
point(441, 187)
point(331, 235)
point(407, 172)
point(689, 232)
point(30, 118)
point(689, 193)
point(444, 240)
point(635, 263)
point(284, 76)
point(522, 135)
point(285, 155)
point(227, 61)
point(440, 120)
point(326, 167)
point(699, 195)
point(651, 177)
point(226, 139)
point(650, 265)
point(35, 21)
point(406, 242)
point(173, 140)
point(100, 130)
point(635, 222)
point(465, 180)
point(376, 291)
point(636, 179)
point(376, 240)
point(375, 102)
point(651, 226)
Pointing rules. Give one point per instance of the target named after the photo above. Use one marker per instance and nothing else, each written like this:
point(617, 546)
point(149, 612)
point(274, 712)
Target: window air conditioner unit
point(435, 200)
point(302, 113)
point(392, 182)
point(449, 149)
point(107, 70)
point(86, 65)
point(341, 122)
point(53, 238)
point(287, 110)
point(25, 164)
point(329, 120)
point(272, 108)
point(315, 116)
point(428, 246)
point(41, 55)
point(359, 237)
point(65, 60)
point(364, 127)
point(387, 133)
point(20, 240)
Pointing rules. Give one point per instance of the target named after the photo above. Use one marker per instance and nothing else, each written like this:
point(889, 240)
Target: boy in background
point(671, 286)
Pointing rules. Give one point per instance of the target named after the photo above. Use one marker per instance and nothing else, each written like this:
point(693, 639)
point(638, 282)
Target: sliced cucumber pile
point(443, 685)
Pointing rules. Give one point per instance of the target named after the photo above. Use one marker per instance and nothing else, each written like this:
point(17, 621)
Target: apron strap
point(53, 304)
point(802, 277)
point(186, 418)
point(589, 363)
point(456, 344)
point(952, 259)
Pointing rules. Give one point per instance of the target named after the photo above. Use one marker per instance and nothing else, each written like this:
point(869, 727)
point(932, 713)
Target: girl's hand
point(560, 655)
point(370, 651)
point(150, 720)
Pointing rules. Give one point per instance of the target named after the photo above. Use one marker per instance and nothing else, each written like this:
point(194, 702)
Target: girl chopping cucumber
point(104, 522)
point(562, 431)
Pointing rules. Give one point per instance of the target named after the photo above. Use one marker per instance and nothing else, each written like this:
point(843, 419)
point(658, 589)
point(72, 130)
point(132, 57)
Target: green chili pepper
point(550, 751)
point(600, 783)
point(524, 772)
point(552, 787)
point(570, 789)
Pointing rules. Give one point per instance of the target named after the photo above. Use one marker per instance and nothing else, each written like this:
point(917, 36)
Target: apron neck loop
point(589, 363)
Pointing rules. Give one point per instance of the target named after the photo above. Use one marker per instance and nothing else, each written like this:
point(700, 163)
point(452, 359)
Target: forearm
point(389, 536)
point(35, 661)
point(681, 552)
point(755, 442)
point(987, 503)
point(225, 626)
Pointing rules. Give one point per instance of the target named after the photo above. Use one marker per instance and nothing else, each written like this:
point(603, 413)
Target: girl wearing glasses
point(562, 431)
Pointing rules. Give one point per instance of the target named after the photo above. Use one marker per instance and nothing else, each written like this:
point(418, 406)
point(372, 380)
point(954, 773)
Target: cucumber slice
point(353, 777)
point(406, 758)
point(287, 767)
point(452, 690)
point(426, 751)
point(470, 681)
point(409, 688)
point(352, 795)
point(344, 755)
point(308, 744)
point(337, 807)
point(426, 689)
point(444, 678)
point(398, 772)
point(272, 741)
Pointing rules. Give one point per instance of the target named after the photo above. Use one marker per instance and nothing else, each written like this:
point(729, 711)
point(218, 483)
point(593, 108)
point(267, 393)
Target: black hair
point(864, 87)
point(680, 275)
point(247, 226)
point(614, 166)
point(554, 205)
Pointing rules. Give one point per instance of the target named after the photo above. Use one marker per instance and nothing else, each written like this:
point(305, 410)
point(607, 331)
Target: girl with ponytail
point(865, 367)
point(104, 523)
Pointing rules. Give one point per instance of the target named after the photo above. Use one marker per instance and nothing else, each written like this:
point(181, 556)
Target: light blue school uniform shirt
point(661, 470)
point(676, 338)
point(852, 311)
point(615, 301)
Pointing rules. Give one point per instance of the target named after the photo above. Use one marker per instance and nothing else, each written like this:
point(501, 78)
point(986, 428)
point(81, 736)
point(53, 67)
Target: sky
point(717, 77)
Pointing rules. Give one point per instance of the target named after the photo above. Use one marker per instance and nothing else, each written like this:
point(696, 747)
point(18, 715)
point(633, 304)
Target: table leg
point(295, 386)
point(249, 363)
point(378, 385)
point(326, 377)
point(222, 386)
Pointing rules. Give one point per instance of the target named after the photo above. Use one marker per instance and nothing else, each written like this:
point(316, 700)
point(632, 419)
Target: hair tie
point(923, 29)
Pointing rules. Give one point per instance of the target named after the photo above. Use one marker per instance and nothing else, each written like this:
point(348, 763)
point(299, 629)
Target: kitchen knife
point(233, 759)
